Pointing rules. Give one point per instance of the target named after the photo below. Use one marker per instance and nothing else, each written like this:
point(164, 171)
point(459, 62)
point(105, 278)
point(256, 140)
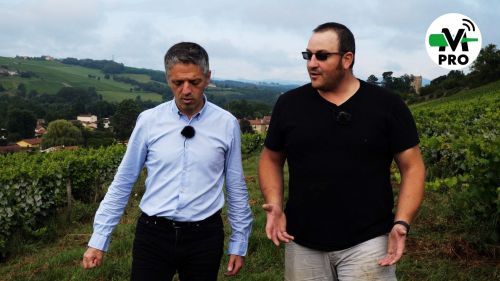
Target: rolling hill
point(50, 76)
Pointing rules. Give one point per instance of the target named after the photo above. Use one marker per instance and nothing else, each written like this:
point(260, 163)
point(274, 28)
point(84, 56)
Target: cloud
point(259, 39)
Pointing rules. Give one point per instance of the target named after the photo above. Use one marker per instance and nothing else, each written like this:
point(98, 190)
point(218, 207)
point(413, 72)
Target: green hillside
point(50, 76)
point(488, 91)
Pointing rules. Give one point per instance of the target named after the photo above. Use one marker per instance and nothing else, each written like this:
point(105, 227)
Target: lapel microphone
point(188, 132)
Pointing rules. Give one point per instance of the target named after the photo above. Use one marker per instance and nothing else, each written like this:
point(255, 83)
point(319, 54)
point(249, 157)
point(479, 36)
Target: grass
point(432, 252)
point(463, 96)
point(143, 78)
point(118, 96)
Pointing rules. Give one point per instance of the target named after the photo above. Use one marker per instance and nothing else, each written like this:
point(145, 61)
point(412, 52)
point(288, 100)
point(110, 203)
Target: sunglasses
point(320, 56)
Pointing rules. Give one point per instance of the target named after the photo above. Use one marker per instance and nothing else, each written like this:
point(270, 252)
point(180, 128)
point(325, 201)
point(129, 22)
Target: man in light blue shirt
point(190, 148)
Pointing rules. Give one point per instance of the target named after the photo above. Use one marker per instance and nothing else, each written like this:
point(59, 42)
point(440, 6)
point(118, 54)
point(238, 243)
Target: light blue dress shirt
point(185, 176)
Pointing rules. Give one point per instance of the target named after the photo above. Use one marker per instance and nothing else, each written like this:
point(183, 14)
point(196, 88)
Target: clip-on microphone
point(188, 132)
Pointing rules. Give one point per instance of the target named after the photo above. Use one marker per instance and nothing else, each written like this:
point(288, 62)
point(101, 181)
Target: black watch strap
point(405, 224)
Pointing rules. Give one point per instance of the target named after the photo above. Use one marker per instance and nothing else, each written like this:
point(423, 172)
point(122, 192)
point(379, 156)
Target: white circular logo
point(453, 41)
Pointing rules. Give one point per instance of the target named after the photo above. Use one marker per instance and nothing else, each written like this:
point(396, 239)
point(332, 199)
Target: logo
point(453, 41)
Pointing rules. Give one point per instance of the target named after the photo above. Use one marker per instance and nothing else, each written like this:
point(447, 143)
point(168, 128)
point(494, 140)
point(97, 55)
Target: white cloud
point(259, 40)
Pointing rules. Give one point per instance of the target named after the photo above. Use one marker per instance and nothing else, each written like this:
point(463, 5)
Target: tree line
point(22, 111)
point(485, 69)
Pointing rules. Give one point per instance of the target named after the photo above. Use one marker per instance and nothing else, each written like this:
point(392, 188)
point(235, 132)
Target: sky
point(258, 40)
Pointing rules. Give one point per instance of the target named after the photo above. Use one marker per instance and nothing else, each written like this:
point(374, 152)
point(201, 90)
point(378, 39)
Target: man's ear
point(347, 60)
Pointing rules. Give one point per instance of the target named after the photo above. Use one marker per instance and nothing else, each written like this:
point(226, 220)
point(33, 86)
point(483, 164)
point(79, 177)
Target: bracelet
point(405, 224)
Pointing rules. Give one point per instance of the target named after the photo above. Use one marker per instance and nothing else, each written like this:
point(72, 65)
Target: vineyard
point(460, 143)
point(461, 147)
point(33, 187)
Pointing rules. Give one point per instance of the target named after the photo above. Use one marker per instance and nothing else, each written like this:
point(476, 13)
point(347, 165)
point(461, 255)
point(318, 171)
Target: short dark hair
point(346, 38)
point(187, 53)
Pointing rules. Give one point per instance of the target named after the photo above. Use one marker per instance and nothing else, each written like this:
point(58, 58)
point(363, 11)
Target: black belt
point(177, 224)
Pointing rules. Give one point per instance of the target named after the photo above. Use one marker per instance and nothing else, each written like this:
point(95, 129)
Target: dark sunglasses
point(320, 56)
point(343, 118)
point(188, 132)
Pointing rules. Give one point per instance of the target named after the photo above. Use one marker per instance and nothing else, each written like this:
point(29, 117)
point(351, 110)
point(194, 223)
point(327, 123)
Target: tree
point(21, 123)
point(21, 90)
point(486, 67)
point(61, 132)
point(123, 121)
point(402, 84)
point(2, 88)
point(102, 109)
point(387, 79)
point(245, 126)
point(372, 79)
point(32, 94)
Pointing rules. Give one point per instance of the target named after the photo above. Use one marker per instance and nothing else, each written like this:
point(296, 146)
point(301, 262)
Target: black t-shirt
point(339, 161)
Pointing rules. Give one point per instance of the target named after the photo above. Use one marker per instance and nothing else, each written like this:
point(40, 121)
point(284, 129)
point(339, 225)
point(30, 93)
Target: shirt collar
point(175, 109)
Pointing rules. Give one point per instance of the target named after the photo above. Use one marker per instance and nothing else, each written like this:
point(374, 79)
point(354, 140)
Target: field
point(50, 76)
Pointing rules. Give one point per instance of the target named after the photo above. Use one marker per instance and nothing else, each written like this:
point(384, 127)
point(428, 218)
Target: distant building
point(47, 58)
point(7, 72)
point(260, 125)
point(88, 120)
point(40, 130)
point(29, 143)
point(416, 83)
point(40, 122)
point(106, 123)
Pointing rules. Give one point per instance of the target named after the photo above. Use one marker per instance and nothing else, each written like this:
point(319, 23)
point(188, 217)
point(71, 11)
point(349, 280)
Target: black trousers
point(163, 247)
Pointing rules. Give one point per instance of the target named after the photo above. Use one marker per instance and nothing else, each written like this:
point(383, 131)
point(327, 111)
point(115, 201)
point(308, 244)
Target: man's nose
point(313, 62)
point(186, 88)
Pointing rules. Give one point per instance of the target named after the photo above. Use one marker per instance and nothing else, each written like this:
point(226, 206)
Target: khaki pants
point(358, 263)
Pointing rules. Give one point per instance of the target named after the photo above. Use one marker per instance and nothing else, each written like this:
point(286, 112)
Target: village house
point(260, 125)
point(45, 57)
point(40, 131)
point(30, 143)
point(106, 123)
point(7, 72)
point(88, 120)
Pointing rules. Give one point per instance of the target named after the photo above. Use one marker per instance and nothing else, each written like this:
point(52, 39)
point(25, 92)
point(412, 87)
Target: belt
point(178, 224)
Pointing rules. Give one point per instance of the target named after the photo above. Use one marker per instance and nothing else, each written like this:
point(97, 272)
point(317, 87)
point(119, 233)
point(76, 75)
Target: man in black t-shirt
point(339, 136)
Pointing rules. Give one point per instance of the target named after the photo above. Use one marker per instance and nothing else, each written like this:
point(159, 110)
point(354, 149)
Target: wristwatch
point(405, 224)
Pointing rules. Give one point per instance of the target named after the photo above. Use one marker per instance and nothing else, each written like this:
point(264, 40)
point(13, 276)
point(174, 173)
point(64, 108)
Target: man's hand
point(395, 245)
point(234, 265)
point(276, 224)
point(92, 258)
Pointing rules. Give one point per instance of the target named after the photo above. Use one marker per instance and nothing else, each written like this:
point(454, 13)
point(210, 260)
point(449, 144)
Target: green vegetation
point(61, 132)
point(124, 119)
point(454, 237)
point(143, 78)
point(50, 76)
point(460, 142)
point(34, 187)
point(117, 96)
point(443, 245)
